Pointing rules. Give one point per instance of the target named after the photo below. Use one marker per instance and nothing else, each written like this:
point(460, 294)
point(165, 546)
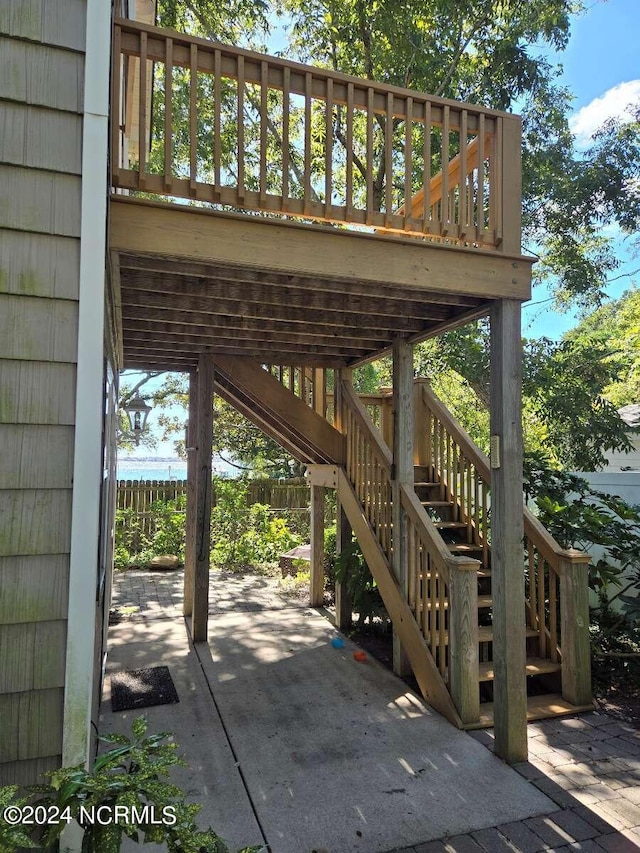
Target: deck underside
point(192, 281)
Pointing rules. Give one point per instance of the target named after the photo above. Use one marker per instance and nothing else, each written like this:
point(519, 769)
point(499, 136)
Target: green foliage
point(131, 775)
point(352, 571)
point(579, 516)
point(12, 837)
point(165, 523)
point(245, 536)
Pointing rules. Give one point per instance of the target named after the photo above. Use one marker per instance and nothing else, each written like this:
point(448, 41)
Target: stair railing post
point(574, 620)
point(344, 605)
point(200, 617)
point(402, 474)
point(463, 637)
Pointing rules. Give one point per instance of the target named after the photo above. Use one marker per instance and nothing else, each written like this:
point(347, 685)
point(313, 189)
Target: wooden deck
point(298, 215)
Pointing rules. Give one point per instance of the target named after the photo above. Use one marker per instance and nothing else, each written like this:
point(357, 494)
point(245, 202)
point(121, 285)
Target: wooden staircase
point(442, 606)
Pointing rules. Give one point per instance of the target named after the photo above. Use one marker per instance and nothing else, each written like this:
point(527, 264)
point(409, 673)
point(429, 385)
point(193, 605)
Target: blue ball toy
point(337, 643)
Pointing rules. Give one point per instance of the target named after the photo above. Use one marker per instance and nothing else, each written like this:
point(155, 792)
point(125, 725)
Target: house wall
point(625, 461)
point(42, 46)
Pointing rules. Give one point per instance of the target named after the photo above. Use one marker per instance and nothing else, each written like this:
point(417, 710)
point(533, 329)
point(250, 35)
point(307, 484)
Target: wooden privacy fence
point(135, 497)
point(261, 133)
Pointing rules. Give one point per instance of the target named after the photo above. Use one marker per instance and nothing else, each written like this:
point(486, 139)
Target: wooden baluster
point(463, 212)
point(328, 164)
point(308, 86)
point(142, 114)
point(426, 170)
point(193, 118)
point(388, 150)
point(533, 599)
point(241, 179)
point(485, 529)
point(168, 116)
point(264, 111)
point(495, 188)
point(217, 110)
point(542, 621)
point(469, 503)
point(370, 156)
point(553, 616)
point(349, 166)
point(442, 630)
point(446, 213)
point(481, 137)
point(408, 165)
point(286, 107)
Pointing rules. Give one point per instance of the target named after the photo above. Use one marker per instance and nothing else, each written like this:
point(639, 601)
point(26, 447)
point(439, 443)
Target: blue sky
point(602, 67)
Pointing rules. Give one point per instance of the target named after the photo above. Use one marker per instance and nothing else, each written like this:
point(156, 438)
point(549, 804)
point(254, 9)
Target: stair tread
point(533, 666)
point(450, 525)
point(464, 546)
point(538, 708)
point(438, 503)
point(425, 483)
point(483, 601)
point(485, 634)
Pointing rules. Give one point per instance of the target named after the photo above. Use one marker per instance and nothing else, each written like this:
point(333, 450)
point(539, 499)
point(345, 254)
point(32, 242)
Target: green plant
point(163, 533)
point(353, 572)
point(246, 536)
point(129, 781)
point(579, 516)
point(12, 836)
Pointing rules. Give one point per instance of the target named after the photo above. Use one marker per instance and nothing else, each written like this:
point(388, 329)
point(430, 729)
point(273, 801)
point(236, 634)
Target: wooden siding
point(32, 656)
point(47, 202)
point(59, 23)
point(41, 98)
point(45, 76)
point(39, 265)
point(49, 329)
point(34, 588)
point(31, 724)
point(37, 392)
point(35, 521)
point(36, 456)
point(26, 134)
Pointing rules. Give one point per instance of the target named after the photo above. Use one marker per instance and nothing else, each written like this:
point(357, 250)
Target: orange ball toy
point(359, 655)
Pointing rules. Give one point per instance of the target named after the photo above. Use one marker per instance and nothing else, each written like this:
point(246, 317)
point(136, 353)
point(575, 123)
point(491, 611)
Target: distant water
point(162, 469)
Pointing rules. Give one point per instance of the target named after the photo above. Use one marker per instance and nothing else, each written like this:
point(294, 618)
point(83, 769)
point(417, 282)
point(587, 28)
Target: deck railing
point(198, 120)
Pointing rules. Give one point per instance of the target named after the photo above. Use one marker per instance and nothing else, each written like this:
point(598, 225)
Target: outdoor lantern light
point(137, 413)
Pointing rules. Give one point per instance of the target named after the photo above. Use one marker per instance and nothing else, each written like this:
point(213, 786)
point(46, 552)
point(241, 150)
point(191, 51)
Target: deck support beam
point(402, 402)
point(190, 513)
point(507, 558)
point(203, 501)
point(316, 592)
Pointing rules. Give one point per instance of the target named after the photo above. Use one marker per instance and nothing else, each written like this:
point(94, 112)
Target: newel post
point(316, 592)
point(574, 617)
point(463, 637)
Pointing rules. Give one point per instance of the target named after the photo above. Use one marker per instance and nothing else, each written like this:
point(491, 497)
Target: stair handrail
point(556, 578)
point(442, 590)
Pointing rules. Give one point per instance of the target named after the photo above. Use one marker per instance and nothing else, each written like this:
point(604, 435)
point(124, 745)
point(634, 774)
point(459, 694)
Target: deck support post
point(344, 605)
point(203, 501)
point(507, 557)
point(574, 616)
point(316, 591)
point(190, 513)
point(402, 474)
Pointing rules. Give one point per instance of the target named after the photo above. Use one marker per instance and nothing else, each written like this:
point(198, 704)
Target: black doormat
point(141, 688)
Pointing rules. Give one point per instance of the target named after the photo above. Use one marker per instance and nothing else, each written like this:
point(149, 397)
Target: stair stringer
point(424, 667)
point(276, 411)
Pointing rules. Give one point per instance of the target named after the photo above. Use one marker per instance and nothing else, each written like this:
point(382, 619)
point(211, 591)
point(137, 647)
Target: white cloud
point(614, 103)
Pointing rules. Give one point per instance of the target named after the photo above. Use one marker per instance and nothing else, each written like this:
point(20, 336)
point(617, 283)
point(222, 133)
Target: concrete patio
point(293, 744)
